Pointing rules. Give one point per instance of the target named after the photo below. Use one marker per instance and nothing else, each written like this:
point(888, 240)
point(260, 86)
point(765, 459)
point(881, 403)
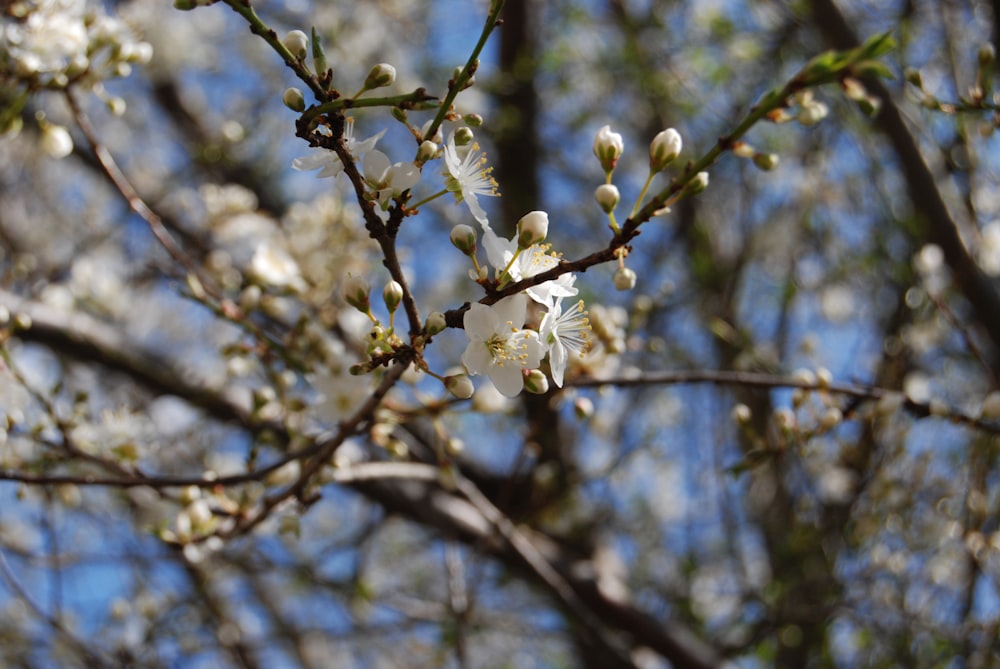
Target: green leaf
point(319, 55)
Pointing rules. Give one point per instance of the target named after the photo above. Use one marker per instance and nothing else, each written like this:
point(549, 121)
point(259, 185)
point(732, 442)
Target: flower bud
point(356, 292)
point(583, 407)
point(812, 113)
point(436, 322)
point(664, 149)
point(116, 105)
point(298, 43)
point(463, 136)
point(765, 161)
point(624, 279)
point(294, 99)
point(381, 75)
point(400, 115)
point(698, 184)
point(464, 239)
point(473, 120)
point(607, 197)
point(532, 229)
point(426, 151)
point(535, 382)
point(56, 140)
point(608, 147)
point(741, 149)
point(853, 89)
point(460, 386)
point(831, 418)
point(741, 414)
point(392, 294)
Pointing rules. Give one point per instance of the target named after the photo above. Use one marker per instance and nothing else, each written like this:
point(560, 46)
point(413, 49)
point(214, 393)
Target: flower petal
point(508, 379)
point(511, 311)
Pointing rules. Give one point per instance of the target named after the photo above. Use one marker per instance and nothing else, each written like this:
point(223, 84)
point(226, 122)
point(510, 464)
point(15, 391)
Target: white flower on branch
point(498, 347)
point(388, 180)
point(531, 261)
point(330, 161)
point(468, 177)
point(272, 266)
point(564, 333)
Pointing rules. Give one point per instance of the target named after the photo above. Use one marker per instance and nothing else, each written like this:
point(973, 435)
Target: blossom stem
point(429, 198)
point(642, 194)
point(614, 223)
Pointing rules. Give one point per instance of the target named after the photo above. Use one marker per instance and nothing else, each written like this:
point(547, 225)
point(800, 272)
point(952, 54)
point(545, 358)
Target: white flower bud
point(298, 43)
point(812, 112)
point(608, 147)
point(56, 140)
point(607, 197)
point(536, 382)
point(832, 417)
point(583, 407)
point(699, 183)
point(436, 322)
point(624, 279)
point(459, 386)
point(741, 149)
point(463, 237)
point(532, 229)
point(393, 295)
point(741, 414)
point(381, 75)
point(765, 161)
point(464, 136)
point(426, 151)
point(664, 149)
point(356, 291)
point(294, 99)
point(784, 419)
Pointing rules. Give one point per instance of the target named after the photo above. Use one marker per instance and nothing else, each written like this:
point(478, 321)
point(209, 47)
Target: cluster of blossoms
point(56, 43)
point(53, 42)
point(500, 346)
point(507, 340)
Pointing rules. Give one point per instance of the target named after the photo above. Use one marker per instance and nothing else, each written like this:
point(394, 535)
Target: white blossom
point(274, 267)
point(386, 179)
point(531, 261)
point(468, 177)
point(498, 347)
point(564, 333)
point(330, 161)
